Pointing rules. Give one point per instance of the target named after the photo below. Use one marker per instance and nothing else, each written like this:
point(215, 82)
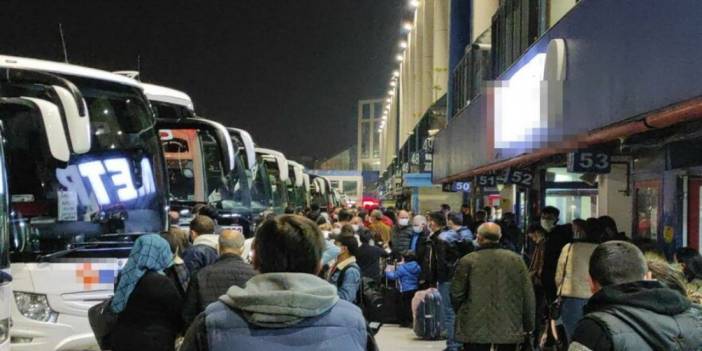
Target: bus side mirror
point(77, 118)
point(51, 119)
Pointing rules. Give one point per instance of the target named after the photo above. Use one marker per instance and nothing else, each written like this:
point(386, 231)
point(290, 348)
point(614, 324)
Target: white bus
point(74, 220)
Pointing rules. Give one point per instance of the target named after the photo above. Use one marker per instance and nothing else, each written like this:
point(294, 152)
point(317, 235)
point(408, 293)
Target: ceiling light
point(399, 57)
point(395, 73)
point(403, 44)
point(414, 4)
point(393, 83)
point(407, 26)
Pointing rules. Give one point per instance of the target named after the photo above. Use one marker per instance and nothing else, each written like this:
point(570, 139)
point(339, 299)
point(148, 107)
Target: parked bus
point(76, 210)
point(275, 166)
point(297, 191)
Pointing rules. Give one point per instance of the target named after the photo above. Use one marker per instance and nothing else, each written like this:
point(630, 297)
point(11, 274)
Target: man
point(628, 311)
point(480, 218)
point(492, 295)
point(203, 251)
point(401, 234)
point(286, 307)
point(419, 234)
point(344, 217)
point(213, 281)
point(557, 236)
point(467, 217)
point(378, 227)
point(368, 256)
point(455, 223)
point(512, 237)
point(346, 274)
point(439, 263)
point(173, 218)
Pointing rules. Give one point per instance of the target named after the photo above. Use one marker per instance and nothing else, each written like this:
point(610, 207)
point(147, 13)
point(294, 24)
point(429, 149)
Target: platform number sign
point(486, 180)
point(461, 187)
point(589, 161)
point(523, 177)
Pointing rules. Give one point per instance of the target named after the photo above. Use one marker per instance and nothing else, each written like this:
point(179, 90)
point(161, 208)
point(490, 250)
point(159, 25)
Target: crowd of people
point(303, 280)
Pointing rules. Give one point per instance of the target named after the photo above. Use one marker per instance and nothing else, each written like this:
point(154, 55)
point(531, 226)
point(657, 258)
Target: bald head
point(231, 241)
point(489, 233)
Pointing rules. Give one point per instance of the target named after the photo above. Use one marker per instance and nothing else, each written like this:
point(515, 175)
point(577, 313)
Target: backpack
point(358, 301)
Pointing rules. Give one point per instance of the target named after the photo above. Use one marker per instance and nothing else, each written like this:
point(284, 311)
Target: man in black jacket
point(401, 234)
point(213, 281)
point(630, 312)
point(368, 256)
point(557, 236)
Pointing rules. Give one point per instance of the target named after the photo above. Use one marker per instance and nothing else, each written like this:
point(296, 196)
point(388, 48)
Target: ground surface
point(393, 338)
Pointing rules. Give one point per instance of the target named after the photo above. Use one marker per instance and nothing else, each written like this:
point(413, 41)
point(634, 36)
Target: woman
point(146, 301)
point(572, 274)
point(178, 272)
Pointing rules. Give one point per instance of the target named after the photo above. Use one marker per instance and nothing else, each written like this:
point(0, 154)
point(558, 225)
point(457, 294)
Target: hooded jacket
point(408, 275)
point(279, 311)
point(642, 315)
point(201, 253)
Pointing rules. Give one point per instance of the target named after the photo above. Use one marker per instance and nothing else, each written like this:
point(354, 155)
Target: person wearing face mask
point(401, 234)
point(440, 261)
point(557, 236)
point(346, 274)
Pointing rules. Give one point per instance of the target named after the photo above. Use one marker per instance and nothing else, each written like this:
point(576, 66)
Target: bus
point(275, 167)
point(73, 219)
point(206, 162)
point(297, 190)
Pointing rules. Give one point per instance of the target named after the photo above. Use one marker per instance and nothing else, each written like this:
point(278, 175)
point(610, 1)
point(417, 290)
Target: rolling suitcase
point(426, 309)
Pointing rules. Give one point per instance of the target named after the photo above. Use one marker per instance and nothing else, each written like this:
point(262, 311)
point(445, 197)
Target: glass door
point(648, 197)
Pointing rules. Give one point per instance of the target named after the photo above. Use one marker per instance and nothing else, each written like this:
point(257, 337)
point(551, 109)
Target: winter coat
point(179, 275)
point(493, 297)
point(213, 281)
point(201, 253)
point(408, 275)
point(151, 318)
point(368, 259)
point(279, 312)
point(643, 315)
point(401, 237)
point(441, 255)
point(572, 280)
point(382, 229)
point(555, 240)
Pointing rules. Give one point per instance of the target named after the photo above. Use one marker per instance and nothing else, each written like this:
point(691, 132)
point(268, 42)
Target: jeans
point(449, 316)
point(571, 313)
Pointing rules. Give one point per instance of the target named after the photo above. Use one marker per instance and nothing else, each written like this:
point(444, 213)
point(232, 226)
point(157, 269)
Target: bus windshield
point(114, 189)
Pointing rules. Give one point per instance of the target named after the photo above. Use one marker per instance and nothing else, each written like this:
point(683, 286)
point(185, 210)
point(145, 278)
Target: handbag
point(102, 321)
point(554, 309)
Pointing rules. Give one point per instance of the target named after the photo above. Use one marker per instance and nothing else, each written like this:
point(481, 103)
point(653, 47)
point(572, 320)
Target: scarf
point(150, 253)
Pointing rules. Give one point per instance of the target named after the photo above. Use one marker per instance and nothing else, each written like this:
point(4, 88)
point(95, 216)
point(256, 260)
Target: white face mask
point(417, 229)
point(548, 224)
point(403, 221)
point(326, 234)
point(355, 227)
point(336, 231)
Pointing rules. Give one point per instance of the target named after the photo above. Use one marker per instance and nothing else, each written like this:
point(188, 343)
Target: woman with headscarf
point(146, 301)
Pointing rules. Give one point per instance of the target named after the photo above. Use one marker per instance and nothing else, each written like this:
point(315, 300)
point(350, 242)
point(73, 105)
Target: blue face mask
point(417, 229)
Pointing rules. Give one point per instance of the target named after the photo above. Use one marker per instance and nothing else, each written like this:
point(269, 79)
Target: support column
point(441, 47)
point(427, 55)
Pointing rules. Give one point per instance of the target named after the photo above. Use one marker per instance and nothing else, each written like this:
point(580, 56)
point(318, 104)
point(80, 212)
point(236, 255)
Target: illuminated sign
point(110, 180)
point(518, 106)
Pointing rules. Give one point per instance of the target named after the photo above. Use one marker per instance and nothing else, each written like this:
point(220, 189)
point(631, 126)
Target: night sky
point(288, 71)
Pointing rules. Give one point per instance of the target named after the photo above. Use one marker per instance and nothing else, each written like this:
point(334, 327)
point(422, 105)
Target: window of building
point(366, 111)
point(378, 109)
point(365, 139)
point(350, 187)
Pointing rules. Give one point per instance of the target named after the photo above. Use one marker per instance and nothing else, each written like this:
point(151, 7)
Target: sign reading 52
point(588, 161)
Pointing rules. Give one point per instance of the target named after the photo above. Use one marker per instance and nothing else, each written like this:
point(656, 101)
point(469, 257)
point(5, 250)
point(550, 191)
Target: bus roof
point(64, 68)
point(168, 95)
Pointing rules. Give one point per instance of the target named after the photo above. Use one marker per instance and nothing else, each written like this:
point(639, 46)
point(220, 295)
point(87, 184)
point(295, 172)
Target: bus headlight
point(35, 306)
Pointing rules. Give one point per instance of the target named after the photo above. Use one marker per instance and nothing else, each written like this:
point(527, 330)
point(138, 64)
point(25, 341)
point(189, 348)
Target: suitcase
point(426, 309)
point(391, 304)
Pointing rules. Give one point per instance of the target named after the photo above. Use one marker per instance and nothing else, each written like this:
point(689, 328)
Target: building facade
point(590, 106)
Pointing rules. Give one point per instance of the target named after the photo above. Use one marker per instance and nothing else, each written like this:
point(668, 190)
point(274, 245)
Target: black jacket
point(401, 237)
point(213, 281)
point(555, 241)
point(643, 315)
point(151, 319)
point(368, 259)
point(438, 259)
